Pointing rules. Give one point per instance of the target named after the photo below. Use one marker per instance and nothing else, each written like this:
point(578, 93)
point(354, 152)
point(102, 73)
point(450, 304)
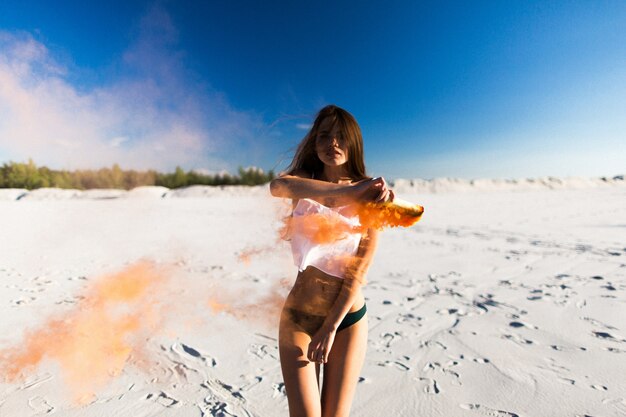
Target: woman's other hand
point(320, 345)
point(374, 190)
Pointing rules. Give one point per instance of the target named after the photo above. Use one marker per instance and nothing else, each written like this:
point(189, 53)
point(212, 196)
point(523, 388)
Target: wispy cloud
point(157, 115)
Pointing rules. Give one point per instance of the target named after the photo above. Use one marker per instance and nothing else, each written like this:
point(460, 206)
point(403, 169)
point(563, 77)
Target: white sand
point(504, 300)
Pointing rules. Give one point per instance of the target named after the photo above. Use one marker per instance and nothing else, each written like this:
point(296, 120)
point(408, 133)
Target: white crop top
point(324, 237)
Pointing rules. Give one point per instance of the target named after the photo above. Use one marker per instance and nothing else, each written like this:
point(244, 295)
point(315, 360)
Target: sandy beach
point(506, 299)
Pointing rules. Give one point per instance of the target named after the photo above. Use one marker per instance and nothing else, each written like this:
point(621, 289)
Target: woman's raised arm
point(328, 193)
point(291, 186)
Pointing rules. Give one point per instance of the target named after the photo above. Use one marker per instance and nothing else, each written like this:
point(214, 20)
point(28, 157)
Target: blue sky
point(463, 89)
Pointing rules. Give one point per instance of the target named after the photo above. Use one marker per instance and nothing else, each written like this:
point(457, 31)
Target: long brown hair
point(306, 159)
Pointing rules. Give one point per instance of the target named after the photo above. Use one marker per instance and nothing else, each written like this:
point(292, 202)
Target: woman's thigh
point(342, 370)
point(300, 375)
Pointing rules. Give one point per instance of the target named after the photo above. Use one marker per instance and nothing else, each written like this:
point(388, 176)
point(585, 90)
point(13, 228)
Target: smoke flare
point(93, 342)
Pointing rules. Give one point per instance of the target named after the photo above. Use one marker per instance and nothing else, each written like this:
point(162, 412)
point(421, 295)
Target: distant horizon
point(440, 89)
point(203, 171)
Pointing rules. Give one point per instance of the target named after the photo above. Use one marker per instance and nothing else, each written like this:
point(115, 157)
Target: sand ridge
point(401, 185)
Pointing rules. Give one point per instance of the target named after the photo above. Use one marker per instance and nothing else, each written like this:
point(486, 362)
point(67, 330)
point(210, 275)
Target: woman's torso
point(324, 237)
point(315, 291)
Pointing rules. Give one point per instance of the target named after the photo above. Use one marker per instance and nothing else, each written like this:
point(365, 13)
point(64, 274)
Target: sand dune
point(501, 302)
point(404, 186)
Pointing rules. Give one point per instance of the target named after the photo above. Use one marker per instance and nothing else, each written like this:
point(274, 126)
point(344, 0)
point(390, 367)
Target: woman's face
point(331, 148)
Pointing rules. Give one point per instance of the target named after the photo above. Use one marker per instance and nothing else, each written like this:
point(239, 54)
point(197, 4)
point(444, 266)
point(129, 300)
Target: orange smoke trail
point(93, 342)
point(246, 255)
point(320, 228)
point(324, 228)
point(263, 309)
point(398, 213)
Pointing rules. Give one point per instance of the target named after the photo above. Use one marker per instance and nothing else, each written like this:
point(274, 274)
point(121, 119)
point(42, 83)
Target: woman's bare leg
point(341, 372)
point(300, 375)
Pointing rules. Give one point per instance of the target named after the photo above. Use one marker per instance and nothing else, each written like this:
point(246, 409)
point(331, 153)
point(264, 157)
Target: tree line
point(30, 176)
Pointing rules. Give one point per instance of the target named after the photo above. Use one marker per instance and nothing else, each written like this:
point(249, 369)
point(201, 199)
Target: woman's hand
point(374, 190)
point(320, 345)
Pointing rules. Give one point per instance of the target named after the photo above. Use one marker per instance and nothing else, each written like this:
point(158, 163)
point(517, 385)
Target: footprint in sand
point(453, 362)
point(566, 381)
point(486, 411)
point(72, 300)
point(36, 382)
point(82, 278)
point(431, 386)
point(166, 400)
point(40, 405)
point(537, 294)
point(252, 381)
point(22, 301)
point(486, 300)
point(409, 318)
point(608, 336)
point(553, 366)
point(215, 408)
point(430, 366)
point(279, 390)
point(32, 290)
point(263, 351)
point(450, 311)
point(614, 350)
point(41, 281)
point(401, 366)
point(598, 323)
point(518, 324)
point(456, 378)
point(434, 366)
point(517, 339)
point(187, 352)
point(389, 338)
point(223, 392)
point(434, 343)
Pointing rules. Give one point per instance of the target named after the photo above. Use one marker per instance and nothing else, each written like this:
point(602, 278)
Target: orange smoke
point(320, 228)
point(246, 255)
point(389, 214)
point(324, 228)
point(327, 228)
point(93, 342)
point(260, 309)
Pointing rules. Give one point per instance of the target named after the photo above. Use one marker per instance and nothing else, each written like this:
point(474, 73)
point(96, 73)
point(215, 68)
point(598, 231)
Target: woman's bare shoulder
point(300, 173)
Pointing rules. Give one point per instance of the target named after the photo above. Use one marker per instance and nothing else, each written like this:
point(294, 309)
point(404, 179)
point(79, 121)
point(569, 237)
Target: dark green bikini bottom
point(311, 323)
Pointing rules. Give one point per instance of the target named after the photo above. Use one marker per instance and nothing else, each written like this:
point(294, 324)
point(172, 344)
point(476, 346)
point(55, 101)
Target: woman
point(323, 320)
